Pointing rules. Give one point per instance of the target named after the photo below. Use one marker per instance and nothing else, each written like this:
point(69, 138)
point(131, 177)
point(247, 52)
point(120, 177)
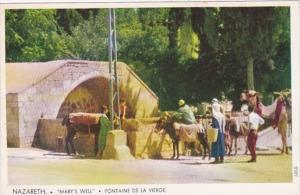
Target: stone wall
point(142, 141)
point(45, 98)
point(51, 136)
point(138, 95)
point(12, 118)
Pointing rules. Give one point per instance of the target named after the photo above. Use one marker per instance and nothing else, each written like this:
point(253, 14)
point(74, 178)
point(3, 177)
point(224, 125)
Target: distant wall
point(12, 118)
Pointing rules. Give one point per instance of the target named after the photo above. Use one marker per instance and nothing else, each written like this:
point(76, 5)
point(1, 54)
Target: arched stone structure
point(45, 93)
point(88, 97)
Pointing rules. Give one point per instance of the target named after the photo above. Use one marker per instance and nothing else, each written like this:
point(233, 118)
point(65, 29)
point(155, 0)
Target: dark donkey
point(165, 125)
point(71, 132)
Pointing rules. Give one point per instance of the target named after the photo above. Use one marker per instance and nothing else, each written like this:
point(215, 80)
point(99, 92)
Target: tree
point(251, 34)
point(88, 40)
point(190, 53)
point(33, 35)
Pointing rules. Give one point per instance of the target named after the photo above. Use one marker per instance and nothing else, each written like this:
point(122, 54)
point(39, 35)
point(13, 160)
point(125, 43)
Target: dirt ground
point(34, 166)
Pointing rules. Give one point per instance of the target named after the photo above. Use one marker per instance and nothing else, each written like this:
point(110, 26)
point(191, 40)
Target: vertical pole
point(115, 67)
point(111, 102)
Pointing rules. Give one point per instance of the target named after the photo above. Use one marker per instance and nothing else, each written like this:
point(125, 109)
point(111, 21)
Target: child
point(254, 121)
point(123, 108)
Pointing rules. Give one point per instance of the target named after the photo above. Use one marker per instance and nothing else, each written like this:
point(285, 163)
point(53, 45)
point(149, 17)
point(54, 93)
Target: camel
point(272, 111)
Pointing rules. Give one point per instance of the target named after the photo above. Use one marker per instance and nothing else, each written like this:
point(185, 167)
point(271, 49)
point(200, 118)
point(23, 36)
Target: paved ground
point(268, 140)
point(35, 166)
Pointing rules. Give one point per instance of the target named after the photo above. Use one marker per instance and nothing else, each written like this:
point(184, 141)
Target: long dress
point(105, 127)
point(218, 147)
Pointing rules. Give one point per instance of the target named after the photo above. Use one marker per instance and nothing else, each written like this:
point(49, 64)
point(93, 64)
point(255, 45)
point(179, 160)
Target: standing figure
point(71, 132)
point(123, 109)
point(254, 122)
point(218, 122)
point(104, 112)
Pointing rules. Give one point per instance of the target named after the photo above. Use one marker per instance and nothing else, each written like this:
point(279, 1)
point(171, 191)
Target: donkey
point(233, 131)
point(72, 129)
point(168, 125)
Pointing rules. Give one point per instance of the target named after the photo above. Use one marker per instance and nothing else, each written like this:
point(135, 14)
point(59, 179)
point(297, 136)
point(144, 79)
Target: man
point(71, 132)
point(186, 112)
point(254, 122)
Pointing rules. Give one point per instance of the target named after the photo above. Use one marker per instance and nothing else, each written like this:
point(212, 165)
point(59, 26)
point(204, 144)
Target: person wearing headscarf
point(218, 122)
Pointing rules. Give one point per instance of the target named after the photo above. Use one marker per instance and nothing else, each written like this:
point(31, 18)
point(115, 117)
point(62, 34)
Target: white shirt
point(255, 120)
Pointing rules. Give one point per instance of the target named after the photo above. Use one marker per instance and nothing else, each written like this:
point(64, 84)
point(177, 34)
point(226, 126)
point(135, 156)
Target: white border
point(80, 4)
point(295, 62)
point(245, 189)
point(3, 159)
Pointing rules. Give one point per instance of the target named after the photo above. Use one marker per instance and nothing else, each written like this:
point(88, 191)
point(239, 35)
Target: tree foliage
point(33, 35)
point(190, 53)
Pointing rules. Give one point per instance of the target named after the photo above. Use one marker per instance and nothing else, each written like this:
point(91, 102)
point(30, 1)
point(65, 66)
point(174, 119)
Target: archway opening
point(88, 97)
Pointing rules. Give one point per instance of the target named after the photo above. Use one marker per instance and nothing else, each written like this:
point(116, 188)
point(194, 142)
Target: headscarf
point(216, 112)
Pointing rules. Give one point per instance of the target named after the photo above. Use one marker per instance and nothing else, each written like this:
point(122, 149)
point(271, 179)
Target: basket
point(212, 135)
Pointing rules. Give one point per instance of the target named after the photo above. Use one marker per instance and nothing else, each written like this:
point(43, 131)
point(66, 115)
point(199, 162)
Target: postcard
point(158, 97)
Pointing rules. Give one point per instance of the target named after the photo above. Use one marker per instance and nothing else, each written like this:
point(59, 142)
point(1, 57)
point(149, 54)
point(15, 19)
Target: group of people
point(105, 126)
point(218, 122)
point(122, 109)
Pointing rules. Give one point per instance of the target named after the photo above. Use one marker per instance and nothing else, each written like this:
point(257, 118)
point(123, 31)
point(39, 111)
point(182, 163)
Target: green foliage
point(255, 34)
point(33, 35)
point(190, 53)
point(188, 42)
point(88, 40)
point(142, 41)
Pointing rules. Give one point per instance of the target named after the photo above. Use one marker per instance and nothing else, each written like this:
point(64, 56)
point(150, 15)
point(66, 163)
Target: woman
point(100, 136)
point(218, 122)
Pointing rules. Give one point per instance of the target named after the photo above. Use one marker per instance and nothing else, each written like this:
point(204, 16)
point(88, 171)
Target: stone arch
point(69, 86)
point(43, 95)
point(87, 94)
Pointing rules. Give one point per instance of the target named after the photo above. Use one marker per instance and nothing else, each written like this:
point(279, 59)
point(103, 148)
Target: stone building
point(49, 90)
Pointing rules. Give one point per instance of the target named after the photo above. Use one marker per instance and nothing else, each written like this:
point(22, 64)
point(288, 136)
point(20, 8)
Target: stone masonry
point(142, 141)
point(45, 97)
